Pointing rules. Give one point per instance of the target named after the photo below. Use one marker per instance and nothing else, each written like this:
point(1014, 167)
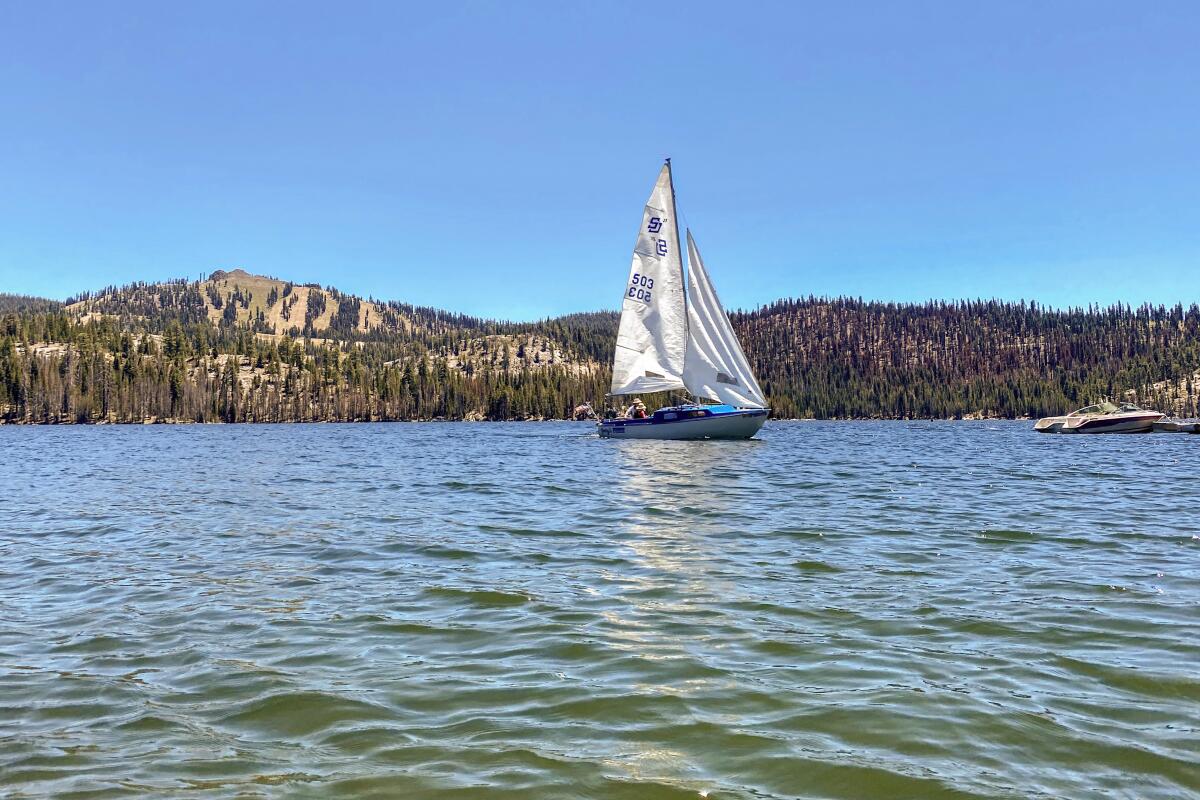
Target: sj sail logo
point(655, 225)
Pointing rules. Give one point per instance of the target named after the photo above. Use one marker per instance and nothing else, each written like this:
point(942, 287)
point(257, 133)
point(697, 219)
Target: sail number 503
point(639, 287)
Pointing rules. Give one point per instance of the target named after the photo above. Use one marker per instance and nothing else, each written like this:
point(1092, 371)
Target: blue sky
point(493, 158)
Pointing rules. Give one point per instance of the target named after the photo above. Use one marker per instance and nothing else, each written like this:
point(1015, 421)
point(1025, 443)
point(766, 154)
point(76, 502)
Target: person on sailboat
point(637, 410)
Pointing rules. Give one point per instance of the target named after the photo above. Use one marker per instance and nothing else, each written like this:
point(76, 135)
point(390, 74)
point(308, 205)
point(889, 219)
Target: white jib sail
point(716, 368)
point(652, 338)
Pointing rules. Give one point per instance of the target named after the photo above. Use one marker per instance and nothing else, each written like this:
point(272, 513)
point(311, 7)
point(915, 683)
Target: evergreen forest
point(236, 347)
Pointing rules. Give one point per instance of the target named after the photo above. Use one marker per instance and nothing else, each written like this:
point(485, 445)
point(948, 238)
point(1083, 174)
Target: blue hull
point(688, 422)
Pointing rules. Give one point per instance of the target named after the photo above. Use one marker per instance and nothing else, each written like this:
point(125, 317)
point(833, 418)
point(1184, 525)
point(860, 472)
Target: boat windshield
point(1100, 408)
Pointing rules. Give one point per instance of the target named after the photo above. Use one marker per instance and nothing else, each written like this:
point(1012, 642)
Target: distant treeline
point(53, 369)
point(24, 303)
point(848, 358)
point(155, 352)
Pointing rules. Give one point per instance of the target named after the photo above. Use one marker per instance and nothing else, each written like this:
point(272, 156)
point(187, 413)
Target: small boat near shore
point(1176, 426)
point(1103, 417)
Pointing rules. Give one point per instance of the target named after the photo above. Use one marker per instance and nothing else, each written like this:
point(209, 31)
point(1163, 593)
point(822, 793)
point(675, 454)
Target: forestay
point(652, 338)
point(715, 367)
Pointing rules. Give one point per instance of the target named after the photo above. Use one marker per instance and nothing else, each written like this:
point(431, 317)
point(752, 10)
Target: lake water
point(839, 610)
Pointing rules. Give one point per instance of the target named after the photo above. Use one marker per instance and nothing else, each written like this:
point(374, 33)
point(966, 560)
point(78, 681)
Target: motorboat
point(674, 338)
point(1103, 417)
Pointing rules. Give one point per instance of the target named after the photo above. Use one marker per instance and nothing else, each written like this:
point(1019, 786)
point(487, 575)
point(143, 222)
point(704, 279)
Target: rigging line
point(687, 226)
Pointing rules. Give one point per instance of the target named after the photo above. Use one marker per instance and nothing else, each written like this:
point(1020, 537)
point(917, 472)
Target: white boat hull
point(1142, 424)
point(737, 425)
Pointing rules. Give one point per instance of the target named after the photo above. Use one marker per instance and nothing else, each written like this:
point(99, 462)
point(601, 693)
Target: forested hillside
point(848, 358)
point(239, 347)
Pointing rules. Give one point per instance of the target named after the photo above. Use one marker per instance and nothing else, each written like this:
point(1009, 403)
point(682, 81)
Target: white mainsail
point(652, 338)
point(715, 366)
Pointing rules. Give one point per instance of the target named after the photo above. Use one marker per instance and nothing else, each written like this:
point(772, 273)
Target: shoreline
point(187, 422)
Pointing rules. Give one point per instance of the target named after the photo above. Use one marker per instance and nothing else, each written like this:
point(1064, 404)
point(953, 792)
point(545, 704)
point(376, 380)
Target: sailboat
point(671, 339)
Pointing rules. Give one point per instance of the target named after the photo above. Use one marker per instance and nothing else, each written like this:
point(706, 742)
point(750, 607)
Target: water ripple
point(841, 610)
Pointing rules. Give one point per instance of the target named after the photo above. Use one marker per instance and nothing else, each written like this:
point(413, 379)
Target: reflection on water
point(673, 577)
point(678, 566)
point(839, 610)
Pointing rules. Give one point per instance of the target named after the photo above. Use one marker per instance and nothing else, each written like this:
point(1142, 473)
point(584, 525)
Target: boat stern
point(1050, 425)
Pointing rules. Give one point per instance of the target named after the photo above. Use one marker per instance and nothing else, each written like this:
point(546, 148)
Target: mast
point(679, 249)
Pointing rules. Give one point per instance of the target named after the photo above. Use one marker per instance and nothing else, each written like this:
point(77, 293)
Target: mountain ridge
point(242, 347)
